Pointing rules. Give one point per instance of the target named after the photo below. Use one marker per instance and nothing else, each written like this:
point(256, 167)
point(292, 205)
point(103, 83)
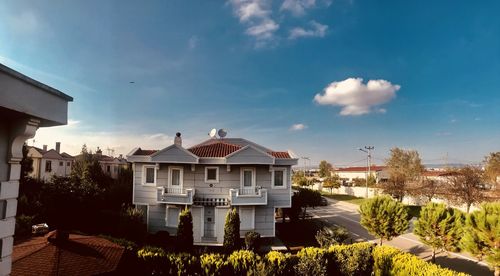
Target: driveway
point(346, 215)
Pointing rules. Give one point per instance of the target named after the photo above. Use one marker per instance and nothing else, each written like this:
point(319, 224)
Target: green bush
point(184, 264)
point(352, 259)
point(23, 225)
point(410, 265)
point(382, 258)
point(252, 240)
point(244, 262)
point(214, 264)
point(330, 236)
point(185, 231)
point(154, 260)
point(312, 261)
point(280, 264)
point(232, 231)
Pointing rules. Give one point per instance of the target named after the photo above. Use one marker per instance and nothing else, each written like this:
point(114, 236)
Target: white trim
point(216, 174)
point(181, 176)
point(133, 181)
point(254, 176)
point(143, 177)
point(284, 170)
point(252, 223)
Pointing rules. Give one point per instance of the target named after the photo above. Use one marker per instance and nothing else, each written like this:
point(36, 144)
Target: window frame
point(144, 175)
point(216, 180)
point(242, 177)
point(181, 176)
point(48, 166)
point(284, 186)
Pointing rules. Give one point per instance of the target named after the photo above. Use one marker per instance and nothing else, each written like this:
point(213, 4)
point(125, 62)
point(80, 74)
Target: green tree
point(185, 231)
point(492, 169)
point(482, 234)
point(384, 217)
point(328, 236)
point(26, 163)
point(331, 182)
point(232, 231)
point(440, 227)
point(307, 198)
point(425, 187)
point(405, 166)
point(325, 169)
point(299, 179)
point(465, 186)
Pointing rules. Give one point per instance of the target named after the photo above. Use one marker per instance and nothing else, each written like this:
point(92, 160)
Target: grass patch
point(345, 198)
point(413, 210)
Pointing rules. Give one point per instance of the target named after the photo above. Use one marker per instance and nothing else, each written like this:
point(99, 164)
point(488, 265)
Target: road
point(346, 215)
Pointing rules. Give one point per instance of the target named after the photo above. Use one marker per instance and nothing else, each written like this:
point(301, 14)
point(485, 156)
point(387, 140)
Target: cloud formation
point(297, 7)
point(316, 30)
point(193, 42)
point(297, 127)
point(256, 15)
point(357, 98)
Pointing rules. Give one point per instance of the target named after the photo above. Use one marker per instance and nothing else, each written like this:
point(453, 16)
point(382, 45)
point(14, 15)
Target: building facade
point(210, 178)
point(47, 163)
point(348, 174)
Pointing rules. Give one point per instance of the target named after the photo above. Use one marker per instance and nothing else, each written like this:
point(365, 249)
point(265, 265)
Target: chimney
point(178, 139)
point(44, 147)
point(58, 147)
point(98, 151)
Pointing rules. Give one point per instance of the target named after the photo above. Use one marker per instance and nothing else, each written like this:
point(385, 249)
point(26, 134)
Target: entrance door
point(209, 216)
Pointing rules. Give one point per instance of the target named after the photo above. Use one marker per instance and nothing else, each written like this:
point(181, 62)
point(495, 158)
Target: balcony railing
point(248, 196)
point(175, 195)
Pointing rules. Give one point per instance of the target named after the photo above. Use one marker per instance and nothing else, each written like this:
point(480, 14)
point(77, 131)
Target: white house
point(348, 174)
point(210, 178)
point(47, 163)
point(25, 105)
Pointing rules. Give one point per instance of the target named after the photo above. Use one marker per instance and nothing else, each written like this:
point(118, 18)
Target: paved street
point(346, 215)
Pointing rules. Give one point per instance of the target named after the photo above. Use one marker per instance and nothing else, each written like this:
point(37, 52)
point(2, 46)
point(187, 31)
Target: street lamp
point(368, 151)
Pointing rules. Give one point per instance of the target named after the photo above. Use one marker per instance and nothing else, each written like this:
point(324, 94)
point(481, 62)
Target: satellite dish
point(222, 133)
point(212, 132)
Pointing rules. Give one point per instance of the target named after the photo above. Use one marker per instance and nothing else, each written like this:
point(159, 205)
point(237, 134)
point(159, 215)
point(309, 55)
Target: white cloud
point(26, 22)
point(357, 98)
point(263, 30)
point(297, 127)
point(256, 15)
point(316, 30)
point(297, 7)
point(193, 42)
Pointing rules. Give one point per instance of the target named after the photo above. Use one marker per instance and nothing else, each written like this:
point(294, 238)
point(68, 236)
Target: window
point(247, 217)
point(149, 175)
point(48, 166)
point(108, 169)
point(68, 164)
point(279, 178)
point(247, 177)
point(61, 163)
point(175, 175)
point(212, 174)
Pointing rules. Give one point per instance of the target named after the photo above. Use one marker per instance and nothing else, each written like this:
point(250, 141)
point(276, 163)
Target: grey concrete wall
point(4, 149)
point(250, 155)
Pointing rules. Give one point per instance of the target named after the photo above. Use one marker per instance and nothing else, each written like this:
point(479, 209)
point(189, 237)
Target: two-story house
point(47, 163)
point(210, 178)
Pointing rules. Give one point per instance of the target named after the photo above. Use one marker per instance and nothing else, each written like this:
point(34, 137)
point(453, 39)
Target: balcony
point(248, 196)
point(175, 195)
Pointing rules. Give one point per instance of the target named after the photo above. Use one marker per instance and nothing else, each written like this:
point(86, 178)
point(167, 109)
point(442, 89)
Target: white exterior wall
point(57, 168)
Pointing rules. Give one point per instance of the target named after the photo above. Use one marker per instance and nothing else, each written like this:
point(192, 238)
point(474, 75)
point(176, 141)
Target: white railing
point(248, 191)
point(248, 196)
point(174, 190)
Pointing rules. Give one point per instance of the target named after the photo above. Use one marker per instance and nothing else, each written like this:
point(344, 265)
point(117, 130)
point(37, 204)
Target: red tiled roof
point(145, 152)
point(280, 154)
point(79, 255)
point(217, 149)
point(438, 173)
point(360, 169)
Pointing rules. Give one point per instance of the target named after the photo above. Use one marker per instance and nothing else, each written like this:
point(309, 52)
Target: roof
point(144, 152)
point(218, 149)
point(360, 169)
point(438, 173)
point(78, 255)
point(280, 154)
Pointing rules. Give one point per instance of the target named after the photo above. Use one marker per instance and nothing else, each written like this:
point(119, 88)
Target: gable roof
point(217, 149)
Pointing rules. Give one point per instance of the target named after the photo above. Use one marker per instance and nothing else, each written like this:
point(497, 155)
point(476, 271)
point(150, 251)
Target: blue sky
point(319, 77)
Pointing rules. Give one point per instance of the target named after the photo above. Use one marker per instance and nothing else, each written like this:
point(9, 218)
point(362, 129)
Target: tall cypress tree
point(185, 231)
point(232, 231)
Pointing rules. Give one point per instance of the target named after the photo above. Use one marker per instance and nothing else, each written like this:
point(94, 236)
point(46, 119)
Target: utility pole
point(305, 158)
point(368, 151)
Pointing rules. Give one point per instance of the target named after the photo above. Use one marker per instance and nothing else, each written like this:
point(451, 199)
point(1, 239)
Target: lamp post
point(368, 151)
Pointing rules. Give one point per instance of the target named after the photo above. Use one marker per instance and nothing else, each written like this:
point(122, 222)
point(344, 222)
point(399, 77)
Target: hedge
point(355, 259)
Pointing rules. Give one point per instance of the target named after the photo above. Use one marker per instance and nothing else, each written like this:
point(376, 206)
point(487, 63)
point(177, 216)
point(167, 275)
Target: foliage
point(232, 231)
point(439, 227)
point(425, 187)
point(331, 182)
point(185, 231)
point(360, 182)
point(328, 236)
point(252, 240)
point(352, 259)
point(214, 264)
point(405, 166)
point(128, 245)
point(325, 169)
point(482, 234)
point(410, 265)
point(131, 223)
point(492, 167)
point(307, 198)
point(280, 264)
point(382, 259)
point(299, 178)
point(384, 217)
point(311, 261)
point(244, 262)
point(23, 225)
point(26, 162)
point(465, 186)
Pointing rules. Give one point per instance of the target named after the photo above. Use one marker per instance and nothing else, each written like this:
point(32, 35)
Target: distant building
point(348, 174)
point(47, 163)
point(110, 165)
point(210, 178)
point(438, 175)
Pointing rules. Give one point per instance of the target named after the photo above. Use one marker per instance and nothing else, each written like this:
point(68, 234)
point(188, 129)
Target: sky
point(319, 77)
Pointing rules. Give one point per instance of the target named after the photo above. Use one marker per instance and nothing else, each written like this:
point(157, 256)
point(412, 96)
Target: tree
point(439, 227)
point(465, 186)
point(331, 182)
point(185, 231)
point(325, 169)
point(307, 198)
point(482, 234)
point(327, 237)
point(492, 168)
point(405, 166)
point(384, 217)
point(232, 231)
point(26, 163)
point(299, 179)
point(425, 187)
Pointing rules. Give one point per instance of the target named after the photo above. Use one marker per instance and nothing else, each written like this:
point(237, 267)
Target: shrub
point(214, 264)
point(132, 224)
point(185, 231)
point(184, 264)
point(330, 236)
point(232, 231)
point(160, 239)
point(154, 260)
point(382, 259)
point(252, 240)
point(410, 265)
point(279, 264)
point(353, 259)
point(23, 225)
point(312, 261)
point(244, 262)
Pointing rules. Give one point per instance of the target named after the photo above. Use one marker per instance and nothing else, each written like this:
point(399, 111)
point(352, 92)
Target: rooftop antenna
point(213, 133)
point(222, 133)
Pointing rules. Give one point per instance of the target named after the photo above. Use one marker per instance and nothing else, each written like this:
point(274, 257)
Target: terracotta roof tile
point(145, 152)
point(280, 154)
point(217, 149)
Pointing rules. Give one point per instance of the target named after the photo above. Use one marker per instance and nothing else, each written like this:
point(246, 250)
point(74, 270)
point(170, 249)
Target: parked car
point(39, 229)
point(323, 202)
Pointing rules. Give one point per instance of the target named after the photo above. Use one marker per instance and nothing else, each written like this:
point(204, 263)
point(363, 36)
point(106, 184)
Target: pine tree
point(440, 227)
point(232, 231)
point(185, 231)
point(482, 234)
point(384, 217)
